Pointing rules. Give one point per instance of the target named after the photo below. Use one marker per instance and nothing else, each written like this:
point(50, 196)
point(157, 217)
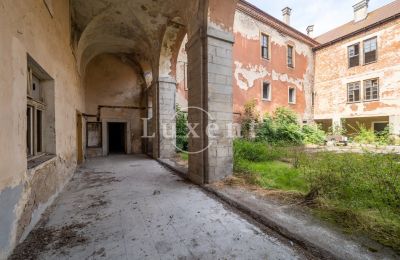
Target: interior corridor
point(130, 207)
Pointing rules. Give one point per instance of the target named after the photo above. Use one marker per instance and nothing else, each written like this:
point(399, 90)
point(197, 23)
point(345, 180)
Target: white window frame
point(294, 95)
point(269, 91)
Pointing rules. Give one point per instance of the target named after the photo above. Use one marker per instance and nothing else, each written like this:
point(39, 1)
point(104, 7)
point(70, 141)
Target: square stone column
point(210, 72)
point(394, 122)
point(164, 118)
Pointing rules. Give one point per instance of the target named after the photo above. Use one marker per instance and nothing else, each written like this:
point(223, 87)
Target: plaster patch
point(9, 198)
point(283, 77)
point(245, 76)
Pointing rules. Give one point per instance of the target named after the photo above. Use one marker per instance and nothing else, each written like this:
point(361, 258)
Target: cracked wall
point(251, 70)
point(332, 75)
point(109, 81)
point(28, 28)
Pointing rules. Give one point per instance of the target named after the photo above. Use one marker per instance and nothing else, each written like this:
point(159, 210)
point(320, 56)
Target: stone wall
point(27, 27)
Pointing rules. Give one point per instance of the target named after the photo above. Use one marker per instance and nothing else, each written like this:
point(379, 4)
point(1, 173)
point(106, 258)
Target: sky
point(323, 14)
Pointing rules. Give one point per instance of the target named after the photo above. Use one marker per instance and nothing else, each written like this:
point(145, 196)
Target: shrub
point(313, 134)
point(283, 127)
point(266, 130)
point(249, 119)
point(182, 130)
point(256, 151)
point(364, 135)
point(285, 116)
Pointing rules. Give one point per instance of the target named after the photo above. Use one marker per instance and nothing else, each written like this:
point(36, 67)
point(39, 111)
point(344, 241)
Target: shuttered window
point(370, 50)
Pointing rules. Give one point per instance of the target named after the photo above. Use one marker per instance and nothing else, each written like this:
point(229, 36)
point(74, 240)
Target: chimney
point(286, 15)
point(360, 10)
point(310, 30)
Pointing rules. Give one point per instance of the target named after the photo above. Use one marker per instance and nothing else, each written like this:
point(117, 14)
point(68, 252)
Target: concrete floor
point(130, 207)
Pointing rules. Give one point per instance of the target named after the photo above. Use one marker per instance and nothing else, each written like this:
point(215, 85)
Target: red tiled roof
point(384, 13)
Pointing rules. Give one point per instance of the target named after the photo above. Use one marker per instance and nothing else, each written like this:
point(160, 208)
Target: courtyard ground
point(130, 207)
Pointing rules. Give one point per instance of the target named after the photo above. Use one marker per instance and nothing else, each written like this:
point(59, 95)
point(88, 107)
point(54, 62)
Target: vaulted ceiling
point(132, 27)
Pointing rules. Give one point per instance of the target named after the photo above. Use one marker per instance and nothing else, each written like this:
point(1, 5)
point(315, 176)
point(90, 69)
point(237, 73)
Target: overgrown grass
point(184, 156)
point(359, 192)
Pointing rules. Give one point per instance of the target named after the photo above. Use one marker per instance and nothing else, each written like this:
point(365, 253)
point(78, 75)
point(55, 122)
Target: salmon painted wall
point(251, 70)
point(332, 75)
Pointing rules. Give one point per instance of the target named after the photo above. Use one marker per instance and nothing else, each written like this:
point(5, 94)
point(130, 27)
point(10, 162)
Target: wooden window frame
point(365, 89)
point(349, 57)
point(376, 50)
point(349, 85)
point(268, 46)
point(292, 58)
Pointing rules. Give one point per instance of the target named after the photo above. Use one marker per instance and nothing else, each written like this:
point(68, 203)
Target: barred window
point(353, 92)
point(371, 89)
point(354, 55)
point(370, 50)
point(265, 46)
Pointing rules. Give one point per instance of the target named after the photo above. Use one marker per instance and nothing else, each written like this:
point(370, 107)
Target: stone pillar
point(210, 104)
point(394, 122)
point(164, 118)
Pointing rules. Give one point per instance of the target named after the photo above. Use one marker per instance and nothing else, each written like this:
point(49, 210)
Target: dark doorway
point(116, 138)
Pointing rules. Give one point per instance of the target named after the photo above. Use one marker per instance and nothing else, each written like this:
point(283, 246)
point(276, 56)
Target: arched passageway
point(142, 39)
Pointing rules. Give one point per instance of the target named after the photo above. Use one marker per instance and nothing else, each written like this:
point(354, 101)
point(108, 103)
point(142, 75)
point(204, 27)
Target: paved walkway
point(130, 207)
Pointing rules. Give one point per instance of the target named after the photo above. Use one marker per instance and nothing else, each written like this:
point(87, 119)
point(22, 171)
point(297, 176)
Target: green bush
point(182, 130)
point(283, 127)
point(256, 151)
point(364, 135)
point(312, 134)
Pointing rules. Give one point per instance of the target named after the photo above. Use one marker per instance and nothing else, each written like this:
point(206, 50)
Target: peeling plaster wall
point(332, 75)
point(181, 76)
point(251, 70)
point(111, 82)
point(27, 27)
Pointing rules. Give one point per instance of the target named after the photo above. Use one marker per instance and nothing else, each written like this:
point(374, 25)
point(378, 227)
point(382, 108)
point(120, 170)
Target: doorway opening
point(116, 138)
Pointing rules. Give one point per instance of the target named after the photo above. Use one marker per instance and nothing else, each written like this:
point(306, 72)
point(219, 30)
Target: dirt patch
point(287, 197)
point(44, 239)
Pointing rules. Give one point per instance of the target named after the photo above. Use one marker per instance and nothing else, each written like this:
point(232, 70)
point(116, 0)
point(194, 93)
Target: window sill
point(267, 100)
point(354, 102)
point(39, 160)
point(371, 100)
point(372, 62)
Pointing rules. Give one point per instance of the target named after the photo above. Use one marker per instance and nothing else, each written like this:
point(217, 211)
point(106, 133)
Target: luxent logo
point(213, 131)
